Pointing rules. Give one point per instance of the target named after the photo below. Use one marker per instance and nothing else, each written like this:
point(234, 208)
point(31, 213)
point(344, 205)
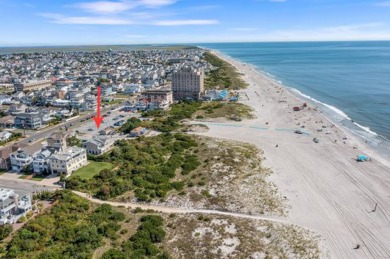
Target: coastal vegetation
point(76, 228)
point(230, 177)
point(146, 167)
point(73, 141)
point(225, 76)
point(5, 230)
point(228, 110)
point(211, 236)
point(171, 120)
point(13, 137)
point(72, 228)
point(143, 243)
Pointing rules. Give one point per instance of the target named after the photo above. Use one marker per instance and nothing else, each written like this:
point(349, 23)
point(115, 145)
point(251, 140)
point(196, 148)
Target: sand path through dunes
point(330, 193)
point(180, 210)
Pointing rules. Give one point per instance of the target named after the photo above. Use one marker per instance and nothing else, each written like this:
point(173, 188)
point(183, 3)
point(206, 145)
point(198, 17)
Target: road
point(24, 185)
point(44, 133)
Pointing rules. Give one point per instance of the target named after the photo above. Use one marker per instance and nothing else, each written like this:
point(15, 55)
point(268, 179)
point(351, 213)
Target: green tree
point(5, 230)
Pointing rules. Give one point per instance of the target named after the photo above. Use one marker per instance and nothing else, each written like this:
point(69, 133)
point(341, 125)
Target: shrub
point(5, 230)
point(22, 219)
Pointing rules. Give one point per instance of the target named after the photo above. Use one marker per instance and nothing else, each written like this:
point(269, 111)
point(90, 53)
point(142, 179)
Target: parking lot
point(88, 128)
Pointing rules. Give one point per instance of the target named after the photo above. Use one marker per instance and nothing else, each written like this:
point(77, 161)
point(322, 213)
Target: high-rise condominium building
point(188, 83)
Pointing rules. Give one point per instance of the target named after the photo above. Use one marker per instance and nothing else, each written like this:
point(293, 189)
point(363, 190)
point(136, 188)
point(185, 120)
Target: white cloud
point(156, 3)
point(185, 22)
point(60, 19)
point(383, 4)
point(105, 6)
point(108, 20)
point(243, 29)
point(116, 13)
point(110, 7)
point(278, 1)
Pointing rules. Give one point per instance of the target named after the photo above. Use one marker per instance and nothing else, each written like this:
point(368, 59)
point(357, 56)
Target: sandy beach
point(329, 192)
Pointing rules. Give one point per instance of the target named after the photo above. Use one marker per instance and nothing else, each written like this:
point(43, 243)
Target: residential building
point(139, 131)
point(188, 83)
point(32, 85)
point(106, 90)
point(7, 121)
point(157, 99)
point(5, 160)
point(13, 205)
point(68, 160)
point(57, 140)
point(29, 120)
point(17, 108)
point(132, 88)
point(22, 158)
point(97, 146)
point(5, 135)
point(4, 98)
point(107, 131)
point(41, 162)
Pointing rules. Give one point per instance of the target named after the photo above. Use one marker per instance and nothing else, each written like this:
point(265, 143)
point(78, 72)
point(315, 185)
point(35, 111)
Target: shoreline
point(329, 192)
point(370, 149)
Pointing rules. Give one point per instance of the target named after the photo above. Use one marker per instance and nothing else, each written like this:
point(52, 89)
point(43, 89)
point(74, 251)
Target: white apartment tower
point(188, 83)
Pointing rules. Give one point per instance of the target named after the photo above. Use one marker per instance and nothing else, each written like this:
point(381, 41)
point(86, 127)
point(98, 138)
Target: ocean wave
point(330, 107)
point(367, 129)
point(335, 110)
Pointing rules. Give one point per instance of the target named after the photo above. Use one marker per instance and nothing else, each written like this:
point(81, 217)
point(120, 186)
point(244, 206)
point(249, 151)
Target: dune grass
point(225, 76)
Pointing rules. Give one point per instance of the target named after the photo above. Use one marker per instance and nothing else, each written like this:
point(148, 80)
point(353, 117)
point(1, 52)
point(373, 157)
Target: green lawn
point(93, 168)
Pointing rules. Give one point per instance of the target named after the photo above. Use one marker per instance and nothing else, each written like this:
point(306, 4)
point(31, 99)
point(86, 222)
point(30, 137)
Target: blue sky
point(72, 22)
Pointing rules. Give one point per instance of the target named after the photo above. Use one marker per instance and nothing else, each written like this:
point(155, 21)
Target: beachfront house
point(13, 205)
point(68, 161)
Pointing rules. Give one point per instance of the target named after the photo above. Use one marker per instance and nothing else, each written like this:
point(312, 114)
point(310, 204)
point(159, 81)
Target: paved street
point(77, 121)
point(24, 185)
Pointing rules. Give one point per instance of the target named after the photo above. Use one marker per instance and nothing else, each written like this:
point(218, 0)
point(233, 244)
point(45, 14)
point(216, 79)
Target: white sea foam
point(330, 107)
point(366, 129)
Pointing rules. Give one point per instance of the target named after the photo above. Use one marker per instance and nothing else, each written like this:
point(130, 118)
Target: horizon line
point(43, 45)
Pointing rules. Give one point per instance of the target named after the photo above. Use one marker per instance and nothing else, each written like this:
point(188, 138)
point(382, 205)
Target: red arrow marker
point(97, 118)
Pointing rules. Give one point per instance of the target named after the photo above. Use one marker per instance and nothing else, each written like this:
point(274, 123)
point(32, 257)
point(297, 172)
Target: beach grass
point(225, 76)
point(229, 110)
point(92, 169)
point(210, 236)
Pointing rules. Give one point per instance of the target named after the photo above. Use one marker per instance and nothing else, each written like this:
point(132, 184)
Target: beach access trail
point(179, 210)
point(344, 201)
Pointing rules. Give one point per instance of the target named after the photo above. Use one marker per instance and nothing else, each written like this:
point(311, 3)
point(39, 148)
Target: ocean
point(349, 81)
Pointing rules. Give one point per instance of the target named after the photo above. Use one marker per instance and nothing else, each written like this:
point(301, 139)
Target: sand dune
point(330, 193)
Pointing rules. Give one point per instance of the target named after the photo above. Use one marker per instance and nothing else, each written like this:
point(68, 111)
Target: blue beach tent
point(362, 158)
